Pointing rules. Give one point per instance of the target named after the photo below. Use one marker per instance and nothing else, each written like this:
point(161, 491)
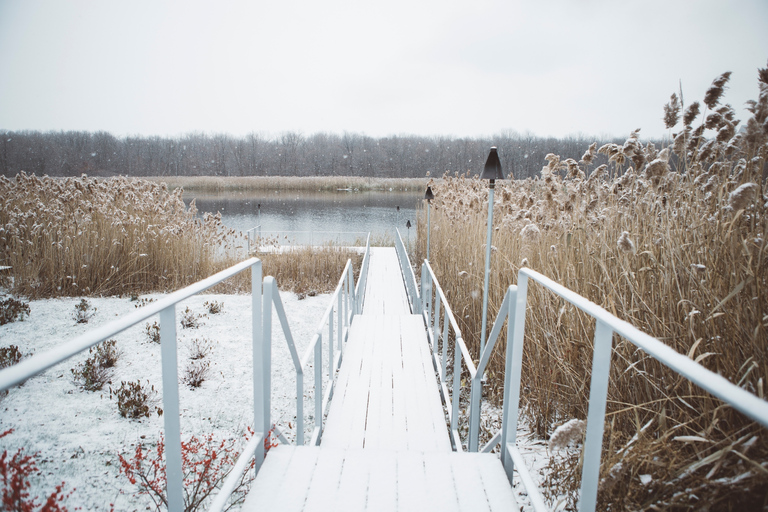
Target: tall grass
point(309, 270)
point(673, 240)
point(294, 183)
point(82, 236)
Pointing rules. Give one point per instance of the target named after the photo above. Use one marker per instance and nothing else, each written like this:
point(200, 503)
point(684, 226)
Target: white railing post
point(266, 353)
point(173, 469)
point(514, 366)
point(446, 325)
point(476, 392)
point(319, 387)
point(339, 323)
point(330, 344)
point(456, 392)
point(261, 366)
point(598, 394)
point(436, 322)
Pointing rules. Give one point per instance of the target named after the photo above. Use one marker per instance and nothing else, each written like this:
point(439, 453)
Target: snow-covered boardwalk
point(386, 443)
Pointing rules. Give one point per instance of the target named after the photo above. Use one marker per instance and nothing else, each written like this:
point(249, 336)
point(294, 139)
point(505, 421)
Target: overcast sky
point(434, 67)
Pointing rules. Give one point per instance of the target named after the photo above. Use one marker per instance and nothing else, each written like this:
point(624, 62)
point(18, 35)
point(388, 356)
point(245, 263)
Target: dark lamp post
point(408, 225)
point(428, 196)
point(492, 172)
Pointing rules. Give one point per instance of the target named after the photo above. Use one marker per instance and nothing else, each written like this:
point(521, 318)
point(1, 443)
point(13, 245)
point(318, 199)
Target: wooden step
point(300, 478)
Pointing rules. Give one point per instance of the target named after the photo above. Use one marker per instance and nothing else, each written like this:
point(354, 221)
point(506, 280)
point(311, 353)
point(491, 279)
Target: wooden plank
point(379, 480)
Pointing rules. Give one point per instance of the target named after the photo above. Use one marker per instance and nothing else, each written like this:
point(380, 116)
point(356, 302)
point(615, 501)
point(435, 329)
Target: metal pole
point(428, 230)
point(173, 467)
point(487, 263)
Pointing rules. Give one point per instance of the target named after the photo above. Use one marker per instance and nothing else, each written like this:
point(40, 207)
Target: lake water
point(314, 217)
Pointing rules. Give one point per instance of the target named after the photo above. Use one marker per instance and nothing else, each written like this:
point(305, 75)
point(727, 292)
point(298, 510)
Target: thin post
point(266, 351)
point(428, 226)
point(446, 325)
point(474, 412)
point(513, 365)
point(455, 394)
point(331, 364)
point(340, 323)
point(436, 321)
point(261, 366)
point(598, 393)
point(319, 384)
point(487, 263)
point(174, 483)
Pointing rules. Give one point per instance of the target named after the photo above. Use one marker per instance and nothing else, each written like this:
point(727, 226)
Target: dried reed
point(675, 244)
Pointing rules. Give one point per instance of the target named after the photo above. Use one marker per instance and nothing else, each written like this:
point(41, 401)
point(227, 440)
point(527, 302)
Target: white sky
point(434, 67)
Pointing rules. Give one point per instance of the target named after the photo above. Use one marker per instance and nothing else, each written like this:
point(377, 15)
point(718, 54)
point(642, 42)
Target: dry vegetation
point(83, 236)
point(298, 183)
point(119, 236)
point(671, 239)
point(310, 270)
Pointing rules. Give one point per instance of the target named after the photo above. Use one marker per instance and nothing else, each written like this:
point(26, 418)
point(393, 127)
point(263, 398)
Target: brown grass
point(82, 236)
point(674, 246)
point(309, 270)
point(270, 183)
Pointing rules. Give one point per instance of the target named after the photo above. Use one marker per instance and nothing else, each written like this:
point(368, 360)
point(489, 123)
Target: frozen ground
point(78, 433)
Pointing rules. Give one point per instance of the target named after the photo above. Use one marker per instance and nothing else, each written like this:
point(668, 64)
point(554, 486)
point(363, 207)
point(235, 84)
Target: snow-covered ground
point(78, 434)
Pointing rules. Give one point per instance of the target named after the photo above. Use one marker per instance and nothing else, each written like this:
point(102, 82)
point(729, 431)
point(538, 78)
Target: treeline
point(291, 154)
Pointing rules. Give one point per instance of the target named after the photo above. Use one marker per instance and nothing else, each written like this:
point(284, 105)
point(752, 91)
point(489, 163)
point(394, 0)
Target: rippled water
point(314, 217)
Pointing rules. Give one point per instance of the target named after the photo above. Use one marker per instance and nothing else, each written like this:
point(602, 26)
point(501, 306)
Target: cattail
point(672, 111)
point(589, 155)
point(742, 197)
point(690, 113)
point(624, 244)
point(569, 432)
point(524, 263)
point(715, 92)
point(530, 233)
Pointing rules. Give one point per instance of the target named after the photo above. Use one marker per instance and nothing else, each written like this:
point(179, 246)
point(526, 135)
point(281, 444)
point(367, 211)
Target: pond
point(301, 217)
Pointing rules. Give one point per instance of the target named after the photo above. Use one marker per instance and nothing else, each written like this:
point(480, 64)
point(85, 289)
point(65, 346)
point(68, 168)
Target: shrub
point(15, 472)
point(195, 373)
point(133, 400)
point(140, 303)
point(9, 356)
point(153, 332)
point(205, 462)
point(214, 307)
point(189, 320)
point(84, 311)
point(96, 370)
point(11, 309)
point(200, 347)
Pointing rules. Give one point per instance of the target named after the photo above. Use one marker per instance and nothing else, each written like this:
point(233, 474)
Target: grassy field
point(672, 240)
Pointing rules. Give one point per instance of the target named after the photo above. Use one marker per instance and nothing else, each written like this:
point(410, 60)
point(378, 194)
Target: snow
point(78, 433)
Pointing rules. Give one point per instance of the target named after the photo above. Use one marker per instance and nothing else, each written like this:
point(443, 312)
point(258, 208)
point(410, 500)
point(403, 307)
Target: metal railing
point(606, 326)
point(346, 301)
point(441, 325)
point(407, 272)
point(252, 236)
point(343, 304)
point(166, 307)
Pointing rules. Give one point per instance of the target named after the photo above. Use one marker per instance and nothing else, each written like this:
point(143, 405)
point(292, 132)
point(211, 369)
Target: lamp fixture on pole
point(428, 196)
point(408, 225)
point(492, 172)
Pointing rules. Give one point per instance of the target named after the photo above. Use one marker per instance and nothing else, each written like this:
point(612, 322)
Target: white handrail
point(606, 325)
point(407, 273)
point(166, 308)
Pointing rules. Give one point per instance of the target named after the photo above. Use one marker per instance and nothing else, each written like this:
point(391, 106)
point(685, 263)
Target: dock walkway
point(385, 444)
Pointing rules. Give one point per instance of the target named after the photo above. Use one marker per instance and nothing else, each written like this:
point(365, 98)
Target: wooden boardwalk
point(385, 444)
